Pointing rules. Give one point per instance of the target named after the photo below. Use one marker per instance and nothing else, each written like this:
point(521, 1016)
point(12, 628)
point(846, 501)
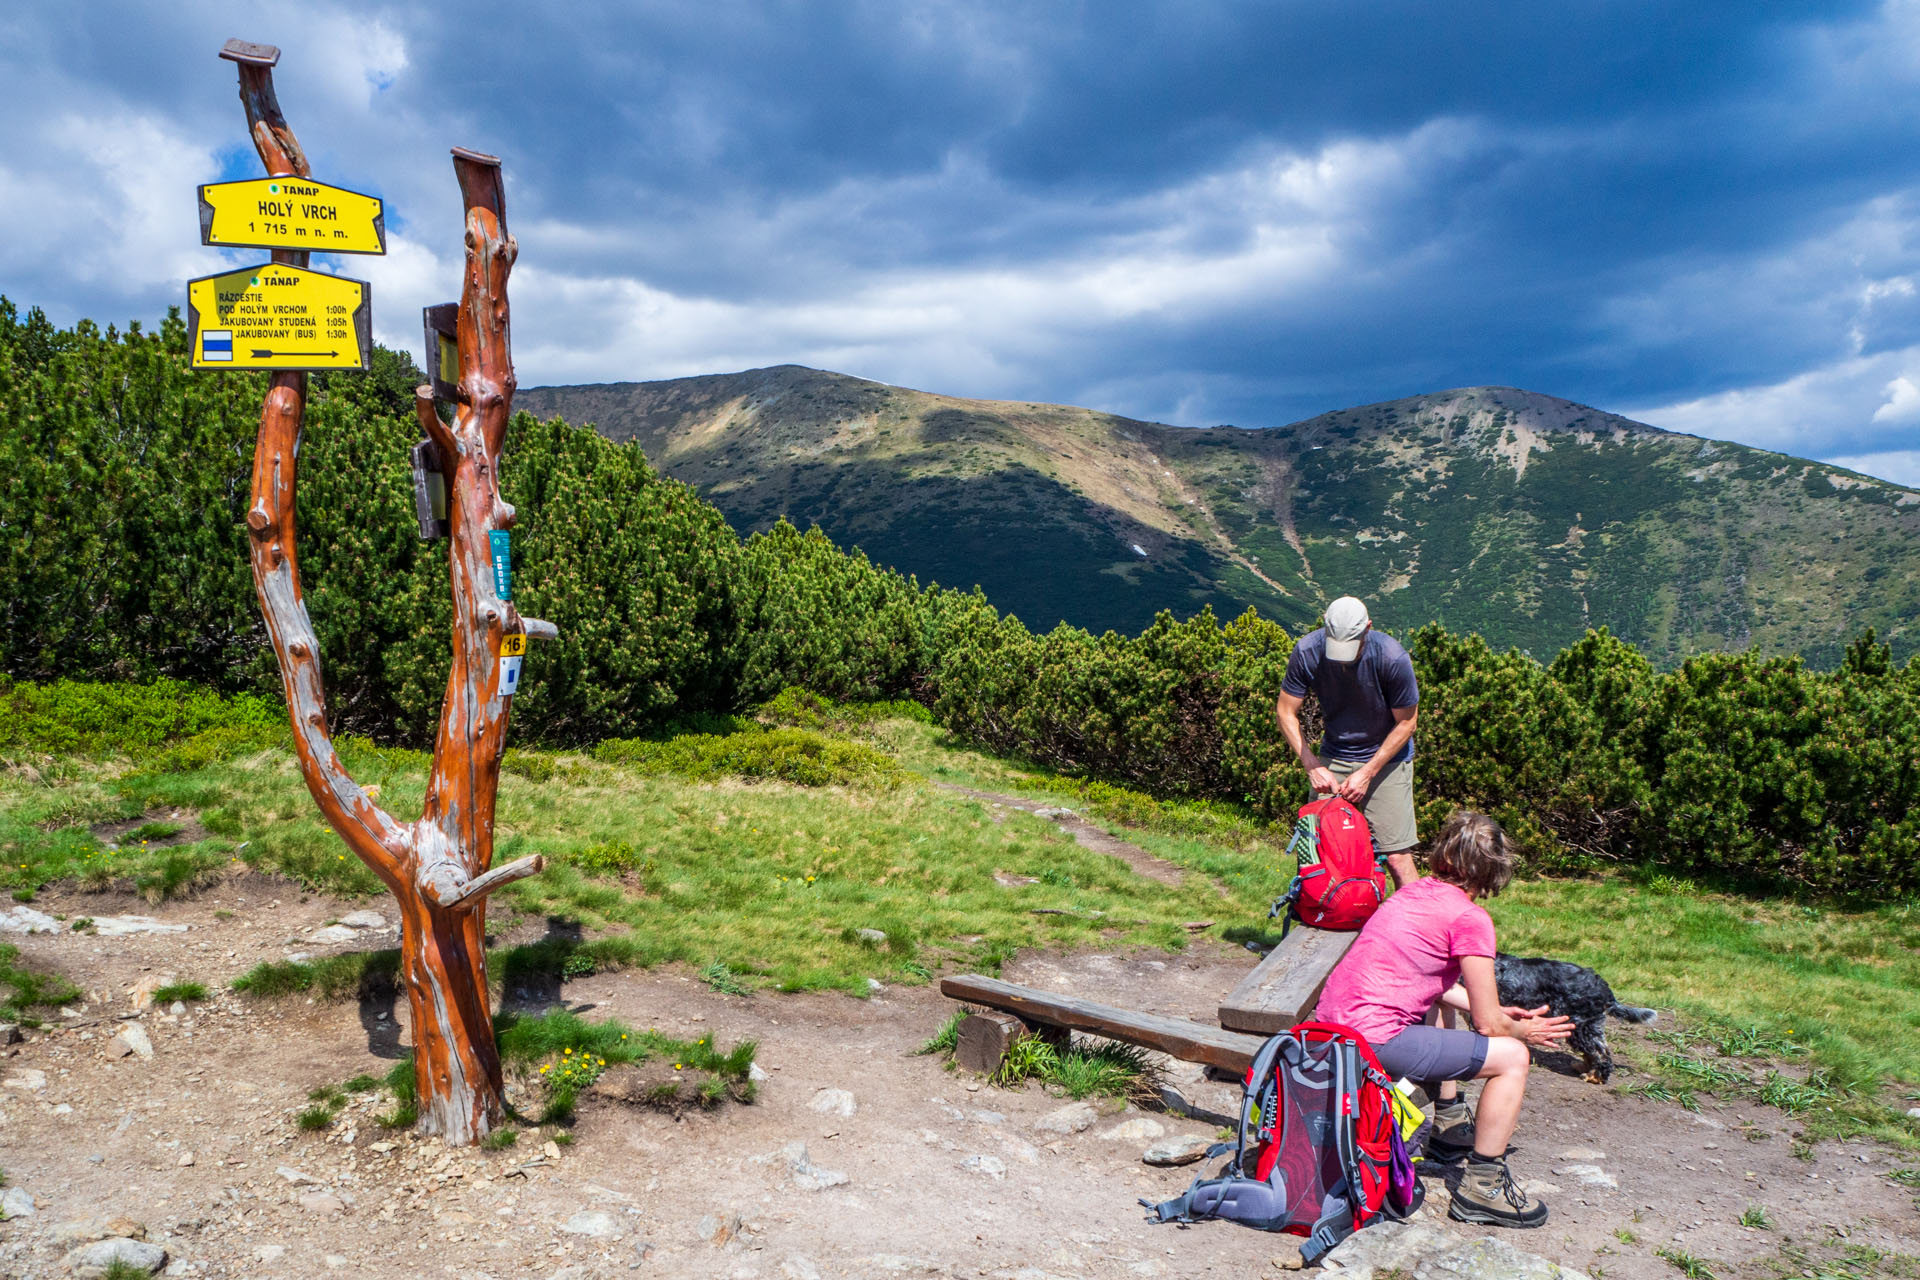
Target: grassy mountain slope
point(1520, 516)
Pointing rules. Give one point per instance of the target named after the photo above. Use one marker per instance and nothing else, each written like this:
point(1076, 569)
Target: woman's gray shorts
point(1423, 1054)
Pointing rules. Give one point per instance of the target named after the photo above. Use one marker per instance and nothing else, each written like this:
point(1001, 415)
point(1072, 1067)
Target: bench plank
point(1285, 986)
point(1188, 1041)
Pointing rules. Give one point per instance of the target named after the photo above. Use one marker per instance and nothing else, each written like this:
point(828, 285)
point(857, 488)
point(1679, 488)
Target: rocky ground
point(174, 1129)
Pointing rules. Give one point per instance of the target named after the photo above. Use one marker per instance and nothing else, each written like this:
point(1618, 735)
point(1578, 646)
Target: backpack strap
point(1257, 1077)
point(1335, 1224)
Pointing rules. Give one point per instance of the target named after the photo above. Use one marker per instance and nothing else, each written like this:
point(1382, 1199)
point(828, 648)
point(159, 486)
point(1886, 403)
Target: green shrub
point(1500, 734)
point(534, 766)
point(822, 619)
point(67, 717)
point(1761, 770)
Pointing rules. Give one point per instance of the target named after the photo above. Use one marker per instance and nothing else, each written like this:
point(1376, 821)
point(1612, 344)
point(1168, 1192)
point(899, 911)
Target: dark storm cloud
point(1198, 212)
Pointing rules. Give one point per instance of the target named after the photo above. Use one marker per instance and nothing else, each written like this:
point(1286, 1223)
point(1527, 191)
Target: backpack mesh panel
point(1302, 1146)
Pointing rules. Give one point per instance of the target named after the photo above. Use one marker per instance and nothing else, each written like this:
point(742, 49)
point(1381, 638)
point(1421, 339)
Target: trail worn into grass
point(1085, 834)
point(944, 1176)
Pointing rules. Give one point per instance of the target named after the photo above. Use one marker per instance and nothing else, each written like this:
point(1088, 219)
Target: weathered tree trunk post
point(439, 868)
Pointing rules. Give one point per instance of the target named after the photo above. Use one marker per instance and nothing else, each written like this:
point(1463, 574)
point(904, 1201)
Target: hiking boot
point(1486, 1195)
point(1452, 1136)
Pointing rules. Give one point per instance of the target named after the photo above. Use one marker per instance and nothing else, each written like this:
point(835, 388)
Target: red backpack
point(1318, 1152)
point(1340, 883)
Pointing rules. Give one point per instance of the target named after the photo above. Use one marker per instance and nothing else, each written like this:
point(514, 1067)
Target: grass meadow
point(759, 854)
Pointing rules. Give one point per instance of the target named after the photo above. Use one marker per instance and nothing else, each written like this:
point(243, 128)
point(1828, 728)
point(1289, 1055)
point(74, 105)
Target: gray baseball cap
point(1346, 625)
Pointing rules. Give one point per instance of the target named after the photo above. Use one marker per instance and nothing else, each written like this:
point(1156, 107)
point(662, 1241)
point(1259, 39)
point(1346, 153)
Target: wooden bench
point(1281, 991)
point(1286, 985)
point(1042, 1012)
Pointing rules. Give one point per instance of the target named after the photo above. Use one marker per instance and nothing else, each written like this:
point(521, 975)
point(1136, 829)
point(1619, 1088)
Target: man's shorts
point(1389, 806)
point(1426, 1054)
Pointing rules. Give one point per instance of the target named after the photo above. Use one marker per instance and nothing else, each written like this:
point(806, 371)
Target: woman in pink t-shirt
point(1423, 941)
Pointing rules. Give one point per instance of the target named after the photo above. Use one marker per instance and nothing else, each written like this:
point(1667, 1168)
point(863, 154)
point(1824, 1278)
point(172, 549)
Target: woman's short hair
point(1473, 852)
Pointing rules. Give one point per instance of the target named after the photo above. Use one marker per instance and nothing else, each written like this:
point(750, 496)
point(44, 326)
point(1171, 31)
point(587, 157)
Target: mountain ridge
point(1510, 512)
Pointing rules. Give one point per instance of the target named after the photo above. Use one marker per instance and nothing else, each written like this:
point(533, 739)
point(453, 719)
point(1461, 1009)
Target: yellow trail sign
point(275, 316)
point(291, 213)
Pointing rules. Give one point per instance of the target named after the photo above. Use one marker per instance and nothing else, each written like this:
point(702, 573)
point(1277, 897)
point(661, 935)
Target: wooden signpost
point(440, 868)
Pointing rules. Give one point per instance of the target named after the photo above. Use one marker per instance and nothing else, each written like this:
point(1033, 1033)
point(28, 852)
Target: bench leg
point(985, 1036)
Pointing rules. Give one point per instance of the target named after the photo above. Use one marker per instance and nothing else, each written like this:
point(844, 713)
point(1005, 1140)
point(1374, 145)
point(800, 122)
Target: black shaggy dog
point(1572, 991)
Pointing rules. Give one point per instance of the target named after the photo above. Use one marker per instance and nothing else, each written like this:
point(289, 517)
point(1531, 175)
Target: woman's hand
point(1539, 1031)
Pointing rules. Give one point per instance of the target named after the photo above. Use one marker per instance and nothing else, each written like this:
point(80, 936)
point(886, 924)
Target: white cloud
point(1903, 402)
point(1798, 414)
point(104, 200)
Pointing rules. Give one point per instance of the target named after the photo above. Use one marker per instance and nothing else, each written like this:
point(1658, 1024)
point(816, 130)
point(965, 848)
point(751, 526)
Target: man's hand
point(1354, 787)
point(1323, 780)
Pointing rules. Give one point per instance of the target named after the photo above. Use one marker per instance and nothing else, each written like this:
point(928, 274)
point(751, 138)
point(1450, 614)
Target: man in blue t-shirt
point(1369, 702)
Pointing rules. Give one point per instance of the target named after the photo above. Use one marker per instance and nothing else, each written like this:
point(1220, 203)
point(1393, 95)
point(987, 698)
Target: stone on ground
point(332, 933)
point(807, 1175)
point(594, 1224)
point(1182, 1148)
point(986, 1166)
point(364, 920)
point(120, 926)
point(1075, 1117)
point(132, 1041)
point(1141, 1129)
point(143, 990)
point(833, 1102)
point(91, 1261)
point(1591, 1174)
point(27, 920)
point(1415, 1250)
point(16, 1202)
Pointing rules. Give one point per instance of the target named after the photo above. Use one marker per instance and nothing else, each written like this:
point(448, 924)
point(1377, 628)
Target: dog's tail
point(1633, 1012)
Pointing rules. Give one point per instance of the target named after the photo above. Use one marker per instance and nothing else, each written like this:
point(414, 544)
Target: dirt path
point(943, 1176)
point(1085, 834)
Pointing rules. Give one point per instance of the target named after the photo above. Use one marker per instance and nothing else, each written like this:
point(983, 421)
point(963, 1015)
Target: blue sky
point(1706, 215)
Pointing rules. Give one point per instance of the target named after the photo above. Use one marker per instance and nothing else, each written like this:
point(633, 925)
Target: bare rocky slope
point(1518, 515)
